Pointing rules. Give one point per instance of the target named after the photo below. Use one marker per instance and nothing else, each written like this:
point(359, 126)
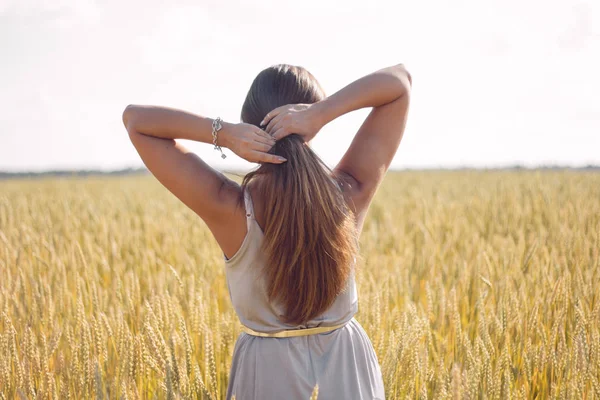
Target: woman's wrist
point(224, 134)
point(322, 112)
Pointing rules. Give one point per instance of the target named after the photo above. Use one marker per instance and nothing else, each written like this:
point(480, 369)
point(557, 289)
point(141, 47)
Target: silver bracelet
point(216, 127)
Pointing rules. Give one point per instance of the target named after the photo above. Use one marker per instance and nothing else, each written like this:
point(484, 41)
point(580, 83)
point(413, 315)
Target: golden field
point(472, 285)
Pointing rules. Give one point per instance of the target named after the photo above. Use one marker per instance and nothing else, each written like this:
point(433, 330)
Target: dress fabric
point(342, 362)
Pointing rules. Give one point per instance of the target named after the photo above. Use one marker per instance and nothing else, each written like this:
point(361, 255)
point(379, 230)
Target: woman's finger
point(263, 140)
point(276, 125)
point(270, 115)
point(274, 121)
point(262, 134)
point(280, 133)
point(259, 146)
point(265, 157)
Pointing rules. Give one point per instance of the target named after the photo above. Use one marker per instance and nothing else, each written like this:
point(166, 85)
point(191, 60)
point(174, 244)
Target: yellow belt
point(293, 332)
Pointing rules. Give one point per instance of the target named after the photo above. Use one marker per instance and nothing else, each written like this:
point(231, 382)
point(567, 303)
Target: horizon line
point(144, 170)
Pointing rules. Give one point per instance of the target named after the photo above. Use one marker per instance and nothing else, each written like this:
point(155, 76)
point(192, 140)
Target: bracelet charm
point(216, 127)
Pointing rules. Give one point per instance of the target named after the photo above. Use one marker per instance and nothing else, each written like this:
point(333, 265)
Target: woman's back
point(341, 362)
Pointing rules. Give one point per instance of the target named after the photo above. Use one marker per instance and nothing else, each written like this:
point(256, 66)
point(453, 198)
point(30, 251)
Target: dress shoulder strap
point(249, 207)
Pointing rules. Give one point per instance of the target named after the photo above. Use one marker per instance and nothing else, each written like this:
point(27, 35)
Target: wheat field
point(472, 285)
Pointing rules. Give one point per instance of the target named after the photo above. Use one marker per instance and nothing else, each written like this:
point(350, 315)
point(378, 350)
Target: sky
point(495, 82)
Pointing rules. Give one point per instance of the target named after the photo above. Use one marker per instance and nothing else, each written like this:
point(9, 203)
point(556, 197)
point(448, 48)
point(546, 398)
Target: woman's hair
point(310, 237)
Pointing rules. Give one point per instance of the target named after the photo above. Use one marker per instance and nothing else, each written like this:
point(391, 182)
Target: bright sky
point(496, 82)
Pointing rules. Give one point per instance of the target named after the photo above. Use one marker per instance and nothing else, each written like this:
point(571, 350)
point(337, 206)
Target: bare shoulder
point(230, 230)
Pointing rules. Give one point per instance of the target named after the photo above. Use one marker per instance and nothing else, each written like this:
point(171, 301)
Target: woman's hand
point(301, 119)
point(249, 142)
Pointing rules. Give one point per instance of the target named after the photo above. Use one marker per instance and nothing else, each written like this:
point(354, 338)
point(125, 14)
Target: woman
point(289, 233)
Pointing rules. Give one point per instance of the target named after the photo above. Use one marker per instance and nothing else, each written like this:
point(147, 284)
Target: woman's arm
point(209, 193)
point(374, 90)
point(247, 141)
point(370, 154)
point(388, 92)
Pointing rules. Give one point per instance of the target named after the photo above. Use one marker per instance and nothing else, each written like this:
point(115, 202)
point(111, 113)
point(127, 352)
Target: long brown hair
point(310, 236)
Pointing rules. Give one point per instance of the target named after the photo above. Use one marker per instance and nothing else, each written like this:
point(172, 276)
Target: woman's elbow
point(403, 76)
point(128, 116)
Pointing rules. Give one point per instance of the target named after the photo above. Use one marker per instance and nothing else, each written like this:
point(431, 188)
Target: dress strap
point(249, 207)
